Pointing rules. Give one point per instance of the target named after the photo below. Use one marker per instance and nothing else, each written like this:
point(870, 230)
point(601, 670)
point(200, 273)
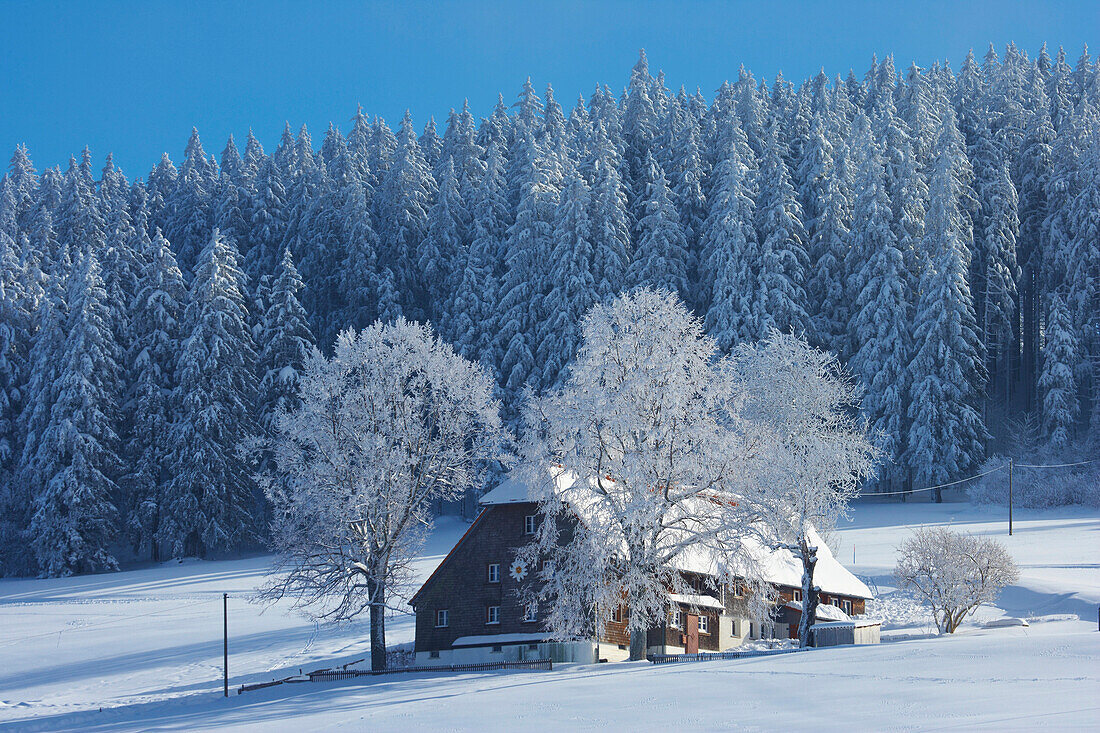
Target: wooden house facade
point(471, 610)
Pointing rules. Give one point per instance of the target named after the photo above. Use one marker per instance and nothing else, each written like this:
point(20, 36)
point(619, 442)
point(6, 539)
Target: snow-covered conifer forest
point(937, 228)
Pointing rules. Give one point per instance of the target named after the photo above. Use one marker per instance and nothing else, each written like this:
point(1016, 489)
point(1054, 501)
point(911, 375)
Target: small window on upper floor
point(531, 612)
point(529, 524)
point(494, 572)
point(617, 615)
point(797, 595)
point(442, 616)
point(846, 606)
point(492, 614)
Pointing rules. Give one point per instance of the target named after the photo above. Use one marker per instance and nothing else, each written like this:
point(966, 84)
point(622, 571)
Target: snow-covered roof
point(825, 611)
point(778, 566)
point(509, 491)
point(486, 639)
point(696, 600)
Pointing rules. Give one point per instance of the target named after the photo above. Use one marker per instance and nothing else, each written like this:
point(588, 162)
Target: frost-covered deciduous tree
point(952, 572)
point(812, 453)
point(393, 421)
point(646, 425)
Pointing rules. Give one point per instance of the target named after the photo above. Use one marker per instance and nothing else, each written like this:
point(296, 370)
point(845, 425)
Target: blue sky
point(133, 77)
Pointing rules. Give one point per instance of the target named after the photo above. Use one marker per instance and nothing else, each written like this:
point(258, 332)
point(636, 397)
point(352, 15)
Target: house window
point(704, 624)
point(738, 589)
point(532, 647)
point(529, 524)
point(846, 606)
point(434, 654)
point(530, 612)
point(617, 615)
point(677, 619)
point(492, 614)
point(798, 595)
point(548, 567)
point(441, 618)
point(497, 648)
point(494, 572)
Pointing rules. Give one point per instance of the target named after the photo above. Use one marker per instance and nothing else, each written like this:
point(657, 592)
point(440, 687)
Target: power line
point(940, 486)
point(979, 475)
point(1057, 465)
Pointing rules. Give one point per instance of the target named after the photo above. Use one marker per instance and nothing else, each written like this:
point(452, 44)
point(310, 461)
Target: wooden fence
point(326, 675)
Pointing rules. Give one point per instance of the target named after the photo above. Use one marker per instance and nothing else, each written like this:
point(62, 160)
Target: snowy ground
point(142, 650)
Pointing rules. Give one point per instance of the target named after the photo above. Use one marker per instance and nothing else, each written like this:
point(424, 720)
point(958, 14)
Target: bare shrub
point(953, 572)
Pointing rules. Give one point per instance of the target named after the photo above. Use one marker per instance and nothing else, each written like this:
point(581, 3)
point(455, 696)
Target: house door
point(691, 638)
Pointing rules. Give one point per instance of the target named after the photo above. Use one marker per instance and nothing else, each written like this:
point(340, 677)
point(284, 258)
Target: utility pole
point(225, 640)
point(1009, 497)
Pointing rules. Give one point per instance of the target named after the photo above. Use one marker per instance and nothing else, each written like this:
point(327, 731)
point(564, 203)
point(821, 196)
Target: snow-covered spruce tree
point(643, 424)
point(660, 254)
point(800, 404)
point(188, 221)
point(157, 313)
point(610, 219)
point(946, 432)
point(442, 245)
point(210, 503)
point(1057, 385)
point(882, 308)
point(779, 300)
point(572, 283)
point(268, 215)
point(286, 344)
point(76, 523)
point(403, 201)
point(15, 322)
point(728, 247)
point(395, 420)
point(473, 310)
point(525, 281)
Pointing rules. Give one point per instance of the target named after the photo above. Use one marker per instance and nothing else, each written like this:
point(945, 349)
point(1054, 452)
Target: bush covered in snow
point(952, 572)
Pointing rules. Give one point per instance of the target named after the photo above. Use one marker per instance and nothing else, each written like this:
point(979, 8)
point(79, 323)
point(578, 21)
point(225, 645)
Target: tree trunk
point(809, 594)
point(638, 644)
point(377, 625)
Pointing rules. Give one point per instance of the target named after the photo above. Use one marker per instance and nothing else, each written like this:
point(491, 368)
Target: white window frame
point(494, 572)
point(846, 606)
point(704, 625)
point(617, 615)
point(677, 620)
point(531, 612)
point(529, 524)
point(796, 595)
point(442, 615)
point(548, 566)
point(492, 615)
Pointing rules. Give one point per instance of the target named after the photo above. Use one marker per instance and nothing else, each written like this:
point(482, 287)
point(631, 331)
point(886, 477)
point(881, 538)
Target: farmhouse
point(470, 608)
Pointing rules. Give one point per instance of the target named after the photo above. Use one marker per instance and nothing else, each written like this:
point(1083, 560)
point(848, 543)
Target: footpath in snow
point(141, 650)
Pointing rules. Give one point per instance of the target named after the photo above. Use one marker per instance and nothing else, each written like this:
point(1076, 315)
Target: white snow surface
point(142, 650)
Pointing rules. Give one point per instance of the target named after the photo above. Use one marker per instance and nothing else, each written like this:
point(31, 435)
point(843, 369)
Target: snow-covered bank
point(145, 645)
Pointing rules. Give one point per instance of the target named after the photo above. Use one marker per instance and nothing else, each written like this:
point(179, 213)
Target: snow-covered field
point(141, 650)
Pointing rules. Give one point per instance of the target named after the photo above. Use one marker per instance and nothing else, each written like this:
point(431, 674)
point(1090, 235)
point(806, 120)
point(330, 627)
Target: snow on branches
point(393, 421)
point(952, 572)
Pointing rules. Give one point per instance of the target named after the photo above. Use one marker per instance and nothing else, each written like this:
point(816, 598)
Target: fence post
point(225, 640)
point(1009, 497)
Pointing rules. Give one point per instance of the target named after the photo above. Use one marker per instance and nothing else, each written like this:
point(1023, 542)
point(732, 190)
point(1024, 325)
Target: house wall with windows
point(472, 608)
